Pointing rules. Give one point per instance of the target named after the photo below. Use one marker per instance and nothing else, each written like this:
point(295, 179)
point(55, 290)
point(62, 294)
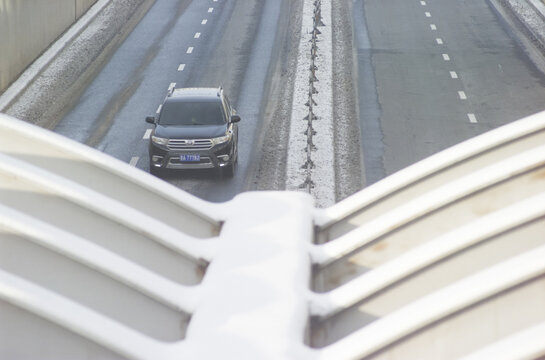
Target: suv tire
point(229, 171)
point(156, 171)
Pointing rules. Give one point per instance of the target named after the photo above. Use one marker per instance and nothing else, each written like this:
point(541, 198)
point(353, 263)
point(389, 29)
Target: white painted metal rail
point(423, 257)
point(429, 173)
point(526, 164)
point(78, 163)
point(439, 306)
point(444, 259)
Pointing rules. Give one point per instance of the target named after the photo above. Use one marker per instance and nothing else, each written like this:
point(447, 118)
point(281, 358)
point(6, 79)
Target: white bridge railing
point(445, 259)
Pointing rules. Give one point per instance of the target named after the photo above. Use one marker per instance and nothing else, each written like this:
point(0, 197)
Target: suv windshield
point(192, 113)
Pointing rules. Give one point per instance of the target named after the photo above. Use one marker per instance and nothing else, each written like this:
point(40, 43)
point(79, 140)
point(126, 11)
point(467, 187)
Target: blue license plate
point(190, 157)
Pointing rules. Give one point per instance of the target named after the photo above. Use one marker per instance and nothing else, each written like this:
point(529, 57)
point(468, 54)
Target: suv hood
point(191, 131)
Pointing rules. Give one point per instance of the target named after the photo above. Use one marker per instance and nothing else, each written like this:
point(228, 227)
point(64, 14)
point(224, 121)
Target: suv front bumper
point(218, 156)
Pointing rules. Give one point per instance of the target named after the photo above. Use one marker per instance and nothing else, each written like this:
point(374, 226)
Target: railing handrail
point(430, 166)
point(525, 344)
point(195, 249)
point(365, 286)
point(43, 140)
point(438, 306)
point(178, 297)
point(335, 250)
point(79, 319)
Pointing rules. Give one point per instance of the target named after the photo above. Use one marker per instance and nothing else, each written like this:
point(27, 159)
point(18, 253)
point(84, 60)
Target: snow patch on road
point(323, 173)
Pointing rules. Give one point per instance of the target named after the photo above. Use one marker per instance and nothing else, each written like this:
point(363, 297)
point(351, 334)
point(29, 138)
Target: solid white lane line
point(433, 26)
point(147, 134)
point(210, 10)
point(189, 50)
point(446, 57)
point(204, 21)
point(472, 118)
point(134, 161)
point(462, 95)
point(439, 41)
point(428, 14)
point(197, 35)
point(453, 75)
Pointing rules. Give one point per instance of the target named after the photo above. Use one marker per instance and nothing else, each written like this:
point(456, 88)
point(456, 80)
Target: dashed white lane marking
point(159, 109)
point(134, 161)
point(197, 35)
point(147, 134)
point(461, 94)
point(189, 50)
point(181, 67)
point(204, 21)
point(171, 86)
point(210, 10)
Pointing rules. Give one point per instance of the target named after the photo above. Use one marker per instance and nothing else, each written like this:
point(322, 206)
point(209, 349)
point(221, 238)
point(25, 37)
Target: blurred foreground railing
point(442, 260)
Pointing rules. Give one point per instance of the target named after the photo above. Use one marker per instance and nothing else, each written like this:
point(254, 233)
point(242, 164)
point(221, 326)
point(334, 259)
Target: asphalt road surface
point(414, 78)
point(433, 73)
point(185, 44)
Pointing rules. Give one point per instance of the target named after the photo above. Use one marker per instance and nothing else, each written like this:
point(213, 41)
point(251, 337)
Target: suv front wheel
point(157, 171)
point(229, 171)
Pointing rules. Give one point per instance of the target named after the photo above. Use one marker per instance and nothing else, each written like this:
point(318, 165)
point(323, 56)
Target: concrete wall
point(28, 27)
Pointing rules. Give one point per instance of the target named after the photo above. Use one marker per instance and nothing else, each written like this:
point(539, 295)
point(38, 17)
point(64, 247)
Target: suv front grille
point(196, 144)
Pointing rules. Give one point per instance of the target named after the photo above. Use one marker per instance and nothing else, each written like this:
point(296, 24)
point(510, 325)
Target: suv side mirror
point(235, 118)
point(150, 119)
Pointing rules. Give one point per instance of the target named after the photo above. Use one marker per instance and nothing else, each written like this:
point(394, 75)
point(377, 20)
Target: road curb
point(46, 90)
point(531, 14)
point(539, 8)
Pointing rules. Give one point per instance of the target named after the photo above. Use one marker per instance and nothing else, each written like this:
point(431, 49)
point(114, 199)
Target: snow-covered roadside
point(47, 87)
point(531, 13)
point(323, 173)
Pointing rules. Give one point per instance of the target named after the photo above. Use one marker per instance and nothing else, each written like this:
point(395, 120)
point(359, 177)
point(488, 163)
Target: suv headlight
point(159, 140)
point(221, 139)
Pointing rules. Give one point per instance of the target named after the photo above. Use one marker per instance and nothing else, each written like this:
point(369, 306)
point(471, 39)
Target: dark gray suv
point(196, 128)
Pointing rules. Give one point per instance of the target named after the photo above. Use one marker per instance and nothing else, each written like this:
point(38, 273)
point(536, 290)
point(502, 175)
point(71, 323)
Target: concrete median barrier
point(47, 86)
point(28, 28)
